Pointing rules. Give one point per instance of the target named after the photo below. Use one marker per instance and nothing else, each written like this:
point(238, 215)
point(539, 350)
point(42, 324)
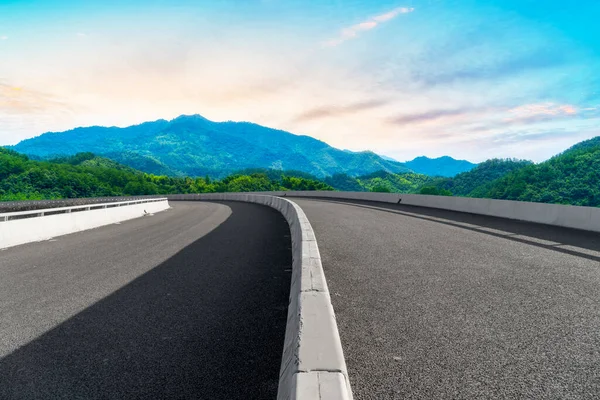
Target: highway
point(435, 304)
point(192, 303)
point(188, 303)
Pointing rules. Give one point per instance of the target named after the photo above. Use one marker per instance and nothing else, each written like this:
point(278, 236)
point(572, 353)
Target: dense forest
point(85, 175)
point(572, 177)
point(474, 183)
point(380, 181)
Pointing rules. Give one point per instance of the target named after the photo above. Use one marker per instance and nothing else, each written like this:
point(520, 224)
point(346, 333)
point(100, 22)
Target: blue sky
point(470, 79)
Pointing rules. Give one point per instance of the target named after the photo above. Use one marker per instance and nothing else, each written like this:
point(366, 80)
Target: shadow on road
point(565, 240)
point(208, 323)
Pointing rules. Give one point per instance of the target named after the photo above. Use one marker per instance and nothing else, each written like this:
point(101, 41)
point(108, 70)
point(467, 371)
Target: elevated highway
point(192, 303)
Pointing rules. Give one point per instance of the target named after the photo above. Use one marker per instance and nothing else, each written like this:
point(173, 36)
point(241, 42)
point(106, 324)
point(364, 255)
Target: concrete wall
point(312, 364)
point(25, 205)
point(20, 231)
point(584, 218)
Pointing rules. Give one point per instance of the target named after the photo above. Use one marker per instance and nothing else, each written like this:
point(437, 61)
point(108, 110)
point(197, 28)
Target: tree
point(432, 190)
point(381, 189)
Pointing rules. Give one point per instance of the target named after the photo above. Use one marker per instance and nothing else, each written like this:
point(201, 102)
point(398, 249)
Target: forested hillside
point(380, 181)
point(572, 177)
point(474, 182)
point(85, 175)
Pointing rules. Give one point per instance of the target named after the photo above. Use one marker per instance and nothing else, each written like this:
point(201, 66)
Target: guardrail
point(10, 216)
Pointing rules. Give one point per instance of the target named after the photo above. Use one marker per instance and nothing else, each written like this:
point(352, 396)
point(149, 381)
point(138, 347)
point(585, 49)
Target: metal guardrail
point(9, 216)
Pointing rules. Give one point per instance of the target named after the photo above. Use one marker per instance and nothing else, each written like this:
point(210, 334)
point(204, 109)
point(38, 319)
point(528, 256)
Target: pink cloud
point(442, 117)
point(19, 101)
point(530, 110)
point(338, 110)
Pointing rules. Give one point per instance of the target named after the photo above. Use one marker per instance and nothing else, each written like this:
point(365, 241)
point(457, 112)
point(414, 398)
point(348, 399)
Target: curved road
point(191, 303)
point(435, 304)
point(187, 303)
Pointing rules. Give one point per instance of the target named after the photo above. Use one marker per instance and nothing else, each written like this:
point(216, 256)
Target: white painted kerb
point(39, 225)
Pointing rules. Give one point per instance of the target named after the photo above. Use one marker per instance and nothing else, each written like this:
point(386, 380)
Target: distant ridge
point(195, 146)
point(442, 166)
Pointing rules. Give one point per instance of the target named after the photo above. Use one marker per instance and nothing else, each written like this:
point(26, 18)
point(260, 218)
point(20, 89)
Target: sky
point(473, 79)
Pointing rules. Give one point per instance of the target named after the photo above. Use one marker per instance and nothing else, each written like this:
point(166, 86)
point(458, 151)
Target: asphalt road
point(187, 303)
point(435, 304)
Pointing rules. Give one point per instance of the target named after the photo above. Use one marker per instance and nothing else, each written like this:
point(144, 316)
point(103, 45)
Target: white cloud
point(392, 14)
point(3, 37)
point(353, 31)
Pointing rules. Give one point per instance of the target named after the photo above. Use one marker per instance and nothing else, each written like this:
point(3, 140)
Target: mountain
point(194, 146)
point(572, 177)
point(442, 166)
point(474, 183)
point(388, 158)
point(147, 164)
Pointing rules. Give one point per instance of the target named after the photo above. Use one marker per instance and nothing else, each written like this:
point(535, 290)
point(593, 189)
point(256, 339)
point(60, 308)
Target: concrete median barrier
point(312, 365)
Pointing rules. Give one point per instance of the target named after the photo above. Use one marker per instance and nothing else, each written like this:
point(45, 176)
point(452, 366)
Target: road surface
point(434, 304)
point(188, 303)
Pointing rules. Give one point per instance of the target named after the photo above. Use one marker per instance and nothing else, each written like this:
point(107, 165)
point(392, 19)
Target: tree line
point(85, 175)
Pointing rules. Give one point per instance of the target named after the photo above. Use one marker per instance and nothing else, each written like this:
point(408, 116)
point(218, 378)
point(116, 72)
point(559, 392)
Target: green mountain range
point(160, 157)
point(195, 146)
point(572, 177)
